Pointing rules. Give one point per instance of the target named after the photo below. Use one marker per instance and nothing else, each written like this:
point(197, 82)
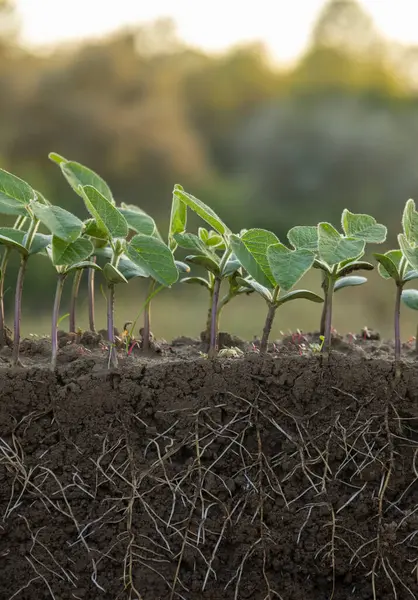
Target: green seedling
point(273, 268)
point(401, 265)
point(219, 267)
point(205, 247)
point(78, 175)
point(67, 257)
point(337, 256)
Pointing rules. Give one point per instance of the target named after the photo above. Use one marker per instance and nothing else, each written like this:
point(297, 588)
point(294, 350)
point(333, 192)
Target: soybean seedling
point(66, 257)
point(273, 268)
point(17, 197)
point(337, 256)
point(401, 265)
point(78, 175)
point(205, 246)
point(218, 267)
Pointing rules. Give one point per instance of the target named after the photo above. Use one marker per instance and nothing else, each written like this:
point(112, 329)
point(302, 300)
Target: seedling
point(218, 266)
point(402, 266)
point(273, 268)
point(67, 257)
point(337, 256)
point(205, 247)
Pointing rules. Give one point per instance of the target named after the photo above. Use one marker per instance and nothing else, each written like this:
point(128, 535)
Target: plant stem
point(209, 317)
point(113, 359)
point(3, 267)
point(74, 295)
point(326, 347)
point(18, 308)
point(55, 315)
point(213, 344)
point(146, 332)
point(92, 325)
point(269, 321)
point(416, 340)
point(325, 304)
point(399, 287)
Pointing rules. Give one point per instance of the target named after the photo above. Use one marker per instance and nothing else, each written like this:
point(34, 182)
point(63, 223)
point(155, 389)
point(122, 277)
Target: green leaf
point(348, 282)
point(251, 251)
point(389, 264)
point(86, 264)
point(138, 221)
point(334, 248)
point(201, 209)
point(214, 241)
point(78, 175)
point(56, 158)
point(196, 281)
point(69, 253)
point(92, 229)
point(410, 298)
point(410, 222)
point(154, 257)
point(15, 194)
point(409, 252)
point(130, 270)
point(40, 242)
point(410, 275)
point(14, 239)
point(363, 227)
point(232, 265)
point(178, 221)
point(288, 266)
point(204, 261)
point(113, 275)
point(355, 265)
point(203, 234)
point(189, 241)
point(299, 295)
point(304, 237)
point(106, 214)
point(60, 222)
point(257, 287)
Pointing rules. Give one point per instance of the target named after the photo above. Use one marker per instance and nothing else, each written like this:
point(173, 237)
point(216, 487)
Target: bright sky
point(284, 25)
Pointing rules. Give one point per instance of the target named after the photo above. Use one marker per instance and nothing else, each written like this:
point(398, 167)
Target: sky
point(213, 25)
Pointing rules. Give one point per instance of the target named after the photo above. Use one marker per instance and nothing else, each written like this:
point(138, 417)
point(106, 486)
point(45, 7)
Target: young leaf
point(334, 248)
point(178, 221)
point(196, 281)
point(257, 287)
point(189, 241)
point(113, 275)
point(69, 253)
point(299, 295)
point(181, 266)
point(205, 261)
point(409, 252)
point(40, 242)
point(56, 158)
point(203, 234)
point(214, 241)
point(201, 209)
point(92, 229)
point(355, 265)
point(410, 222)
point(15, 194)
point(60, 222)
point(348, 282)
point(232, 265)
point(85, 264)
point(154, 257)
point(129, 269)
point(304, 237)
point(410, 298)
point(288, 266)
point(251, 251)
point(410, 275)
point(78, 175)
point(363, 227)
point(106, 214)
point(389, 264)
point(138, 221)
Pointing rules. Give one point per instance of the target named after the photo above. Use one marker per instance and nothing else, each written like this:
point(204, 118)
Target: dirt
point(174, 476)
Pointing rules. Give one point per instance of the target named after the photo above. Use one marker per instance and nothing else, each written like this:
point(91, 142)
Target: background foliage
point(265, 147)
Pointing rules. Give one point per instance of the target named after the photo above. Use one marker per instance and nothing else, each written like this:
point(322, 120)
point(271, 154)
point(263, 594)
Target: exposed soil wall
point(196, 479)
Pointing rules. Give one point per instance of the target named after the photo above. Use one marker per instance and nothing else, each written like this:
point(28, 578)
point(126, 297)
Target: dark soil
point(176, 476)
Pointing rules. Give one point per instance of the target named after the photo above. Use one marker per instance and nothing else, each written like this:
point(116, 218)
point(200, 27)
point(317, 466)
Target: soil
point(174, 476)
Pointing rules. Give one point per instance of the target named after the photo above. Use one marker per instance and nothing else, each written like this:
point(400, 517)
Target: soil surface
point(246, 477)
